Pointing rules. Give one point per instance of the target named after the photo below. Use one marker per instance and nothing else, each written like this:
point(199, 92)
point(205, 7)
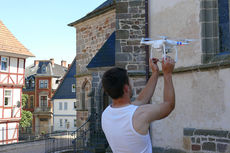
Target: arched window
point(85, 89)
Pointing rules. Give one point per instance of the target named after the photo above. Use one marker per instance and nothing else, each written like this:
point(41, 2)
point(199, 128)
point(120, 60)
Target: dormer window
point(43, 69)
point(4, 64)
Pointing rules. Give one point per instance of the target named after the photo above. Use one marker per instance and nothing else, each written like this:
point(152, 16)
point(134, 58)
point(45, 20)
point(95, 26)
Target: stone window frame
point(210, 41)
point(83, 95)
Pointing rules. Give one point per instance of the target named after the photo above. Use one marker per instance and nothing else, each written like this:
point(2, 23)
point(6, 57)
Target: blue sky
point(41, 25)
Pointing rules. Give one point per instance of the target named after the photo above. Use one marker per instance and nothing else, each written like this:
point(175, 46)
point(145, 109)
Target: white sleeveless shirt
point(122, 137)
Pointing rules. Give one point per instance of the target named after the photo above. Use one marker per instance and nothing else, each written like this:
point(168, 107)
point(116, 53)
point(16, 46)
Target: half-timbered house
point(12, 69)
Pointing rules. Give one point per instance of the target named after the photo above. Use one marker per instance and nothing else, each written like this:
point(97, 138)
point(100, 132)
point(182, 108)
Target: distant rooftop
point(45, 68)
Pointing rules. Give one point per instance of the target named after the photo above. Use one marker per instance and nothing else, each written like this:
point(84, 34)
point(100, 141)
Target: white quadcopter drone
point(166, 45)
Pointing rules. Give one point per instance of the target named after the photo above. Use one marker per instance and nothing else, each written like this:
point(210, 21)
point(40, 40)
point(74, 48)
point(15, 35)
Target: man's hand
point(153, 65)
point(168, 65)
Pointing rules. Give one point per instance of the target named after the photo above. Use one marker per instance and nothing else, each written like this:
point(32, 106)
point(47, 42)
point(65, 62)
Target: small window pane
point(73, 88)
point(60, 106)
point(65, 106)
point(8, 98)
point(60, 121)
point(4, 63)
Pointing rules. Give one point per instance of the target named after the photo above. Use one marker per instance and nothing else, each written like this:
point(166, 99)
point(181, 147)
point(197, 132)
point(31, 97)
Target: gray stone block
point(211, 139)
point(193, 139)
point(133, 42)
point(210, 45)
point(209, 30)
point(122, 57)
point(123, 16)
point(135, 27)
point(168, 150)
point(136, 3)
point(118, 46)
point(223, 140)
point(122, 34)
point(133, 10)
point(211, 133)
point(188, 131)
point(209, 15)
point(122, 7)
point(209, 146)
point(198, 140)
point(127, 49)
point(204, 4)
point(125, 27)
point(132, 67)
point(127, 22)
point(222, 147)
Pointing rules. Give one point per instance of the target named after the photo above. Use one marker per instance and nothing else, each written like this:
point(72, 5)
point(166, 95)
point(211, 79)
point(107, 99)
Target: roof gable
point(106, 55)
point(9, 44)
point(64, 90)
point(104, 7)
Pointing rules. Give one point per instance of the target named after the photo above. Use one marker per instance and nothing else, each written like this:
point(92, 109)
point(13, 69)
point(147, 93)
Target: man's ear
point(126, 88)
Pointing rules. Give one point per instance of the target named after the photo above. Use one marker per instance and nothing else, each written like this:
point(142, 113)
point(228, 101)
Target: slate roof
point(106, 55)
point(64, 90)
point(107, 5)
point(9, 44)
point(54, 71)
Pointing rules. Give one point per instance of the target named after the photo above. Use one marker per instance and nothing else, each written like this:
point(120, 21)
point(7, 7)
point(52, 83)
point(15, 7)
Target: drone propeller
point(147, 39)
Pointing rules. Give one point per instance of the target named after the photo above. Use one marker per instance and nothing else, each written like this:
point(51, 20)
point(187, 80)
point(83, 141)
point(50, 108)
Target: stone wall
point(206, 140)
point(177, 19)
point(202, 102)
point(91, 35)
point(130, 28)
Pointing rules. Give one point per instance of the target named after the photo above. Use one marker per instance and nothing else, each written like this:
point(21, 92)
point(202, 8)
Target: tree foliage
point(27, 116)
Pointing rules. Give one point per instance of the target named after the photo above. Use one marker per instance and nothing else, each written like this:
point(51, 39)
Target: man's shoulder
point(106, 111)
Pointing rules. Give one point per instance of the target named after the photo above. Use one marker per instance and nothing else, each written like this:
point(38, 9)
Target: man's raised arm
point(147, 93)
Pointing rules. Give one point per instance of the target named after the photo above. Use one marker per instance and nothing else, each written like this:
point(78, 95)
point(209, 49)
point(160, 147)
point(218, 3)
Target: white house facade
point(64, 102)
point(64, 115)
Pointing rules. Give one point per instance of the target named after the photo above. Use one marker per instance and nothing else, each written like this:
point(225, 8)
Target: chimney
point(63, 63)
point(36, 62)
point(69, 66)
point(52, 61)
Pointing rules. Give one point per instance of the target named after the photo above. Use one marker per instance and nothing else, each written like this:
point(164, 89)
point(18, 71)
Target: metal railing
point(82, 135)
point(58, 141)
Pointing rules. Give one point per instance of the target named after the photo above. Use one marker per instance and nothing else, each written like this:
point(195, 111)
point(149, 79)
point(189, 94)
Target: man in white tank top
point(126, 124)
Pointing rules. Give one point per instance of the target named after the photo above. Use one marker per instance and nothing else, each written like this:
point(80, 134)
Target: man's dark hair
point(113, 82)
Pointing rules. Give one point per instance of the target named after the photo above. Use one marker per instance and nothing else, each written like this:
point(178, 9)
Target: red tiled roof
point(9, 44)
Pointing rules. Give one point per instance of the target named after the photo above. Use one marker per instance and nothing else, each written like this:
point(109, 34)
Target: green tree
point(27, 116)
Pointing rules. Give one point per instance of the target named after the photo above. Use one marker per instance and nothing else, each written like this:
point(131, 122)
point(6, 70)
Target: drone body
point(166, 45)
